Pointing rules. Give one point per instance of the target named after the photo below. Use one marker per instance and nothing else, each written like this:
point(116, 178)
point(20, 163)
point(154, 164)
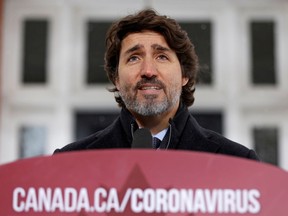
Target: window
point(266, 143)
point(32, 141)
point(200, 35)
point(35, 44)
point(212, 121)
point(88, 123)
point(263, 53)
point(96, 33)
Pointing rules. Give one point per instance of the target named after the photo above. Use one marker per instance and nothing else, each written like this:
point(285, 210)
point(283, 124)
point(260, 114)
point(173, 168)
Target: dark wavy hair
point(176, 38)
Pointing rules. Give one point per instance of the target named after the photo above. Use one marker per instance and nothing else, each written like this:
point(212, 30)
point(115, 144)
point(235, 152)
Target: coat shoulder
point(229, 147)
point(81, 144)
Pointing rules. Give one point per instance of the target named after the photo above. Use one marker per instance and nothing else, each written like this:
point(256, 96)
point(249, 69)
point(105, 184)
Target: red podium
point(129, 182)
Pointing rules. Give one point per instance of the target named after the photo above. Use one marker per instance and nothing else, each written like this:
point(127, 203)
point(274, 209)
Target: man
point(153, 65)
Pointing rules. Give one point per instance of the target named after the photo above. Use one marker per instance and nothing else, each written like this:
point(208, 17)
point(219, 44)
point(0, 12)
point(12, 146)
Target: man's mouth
point(150, 88)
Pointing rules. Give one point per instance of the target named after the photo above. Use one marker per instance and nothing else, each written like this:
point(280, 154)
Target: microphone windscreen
point(142, 138)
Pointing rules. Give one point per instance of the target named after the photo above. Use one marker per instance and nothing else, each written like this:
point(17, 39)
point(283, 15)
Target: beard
point(150, 105)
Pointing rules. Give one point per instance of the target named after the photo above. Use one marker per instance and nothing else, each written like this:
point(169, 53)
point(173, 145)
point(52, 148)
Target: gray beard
point(150, 107)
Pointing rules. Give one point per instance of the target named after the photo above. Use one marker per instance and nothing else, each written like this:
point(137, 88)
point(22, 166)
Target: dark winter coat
point(184, 134)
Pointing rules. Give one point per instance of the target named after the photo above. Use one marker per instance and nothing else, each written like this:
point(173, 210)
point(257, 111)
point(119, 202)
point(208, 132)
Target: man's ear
point(116, 83)
point(185, 81)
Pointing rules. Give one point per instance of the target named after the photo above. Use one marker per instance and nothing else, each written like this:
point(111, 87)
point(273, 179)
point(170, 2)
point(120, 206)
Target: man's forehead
point(145, 36)
point(138, 41)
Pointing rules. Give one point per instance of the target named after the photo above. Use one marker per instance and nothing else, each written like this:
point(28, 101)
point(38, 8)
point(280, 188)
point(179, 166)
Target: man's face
point(149, 74)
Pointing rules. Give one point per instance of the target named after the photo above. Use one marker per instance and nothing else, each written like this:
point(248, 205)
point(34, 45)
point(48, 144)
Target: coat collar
point(128, 124)
point(187, 134)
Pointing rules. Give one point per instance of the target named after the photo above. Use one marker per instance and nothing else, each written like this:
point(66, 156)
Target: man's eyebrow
point(133, 49)
point(154, 46)
point(160, 47)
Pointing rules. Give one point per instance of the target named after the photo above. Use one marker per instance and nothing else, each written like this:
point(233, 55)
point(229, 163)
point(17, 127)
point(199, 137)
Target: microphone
point(142, 139)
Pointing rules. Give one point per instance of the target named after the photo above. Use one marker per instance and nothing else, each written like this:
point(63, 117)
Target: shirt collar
point(161, 134)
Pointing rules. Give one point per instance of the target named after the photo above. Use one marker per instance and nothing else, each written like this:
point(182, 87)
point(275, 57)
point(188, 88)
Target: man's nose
point(149, 69)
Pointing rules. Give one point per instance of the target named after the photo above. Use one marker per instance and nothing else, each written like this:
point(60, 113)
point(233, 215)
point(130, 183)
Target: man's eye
point(162, 57)
point(133, 58)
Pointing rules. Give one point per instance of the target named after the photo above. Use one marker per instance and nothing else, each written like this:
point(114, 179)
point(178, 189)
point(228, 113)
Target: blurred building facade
point(53, 86)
